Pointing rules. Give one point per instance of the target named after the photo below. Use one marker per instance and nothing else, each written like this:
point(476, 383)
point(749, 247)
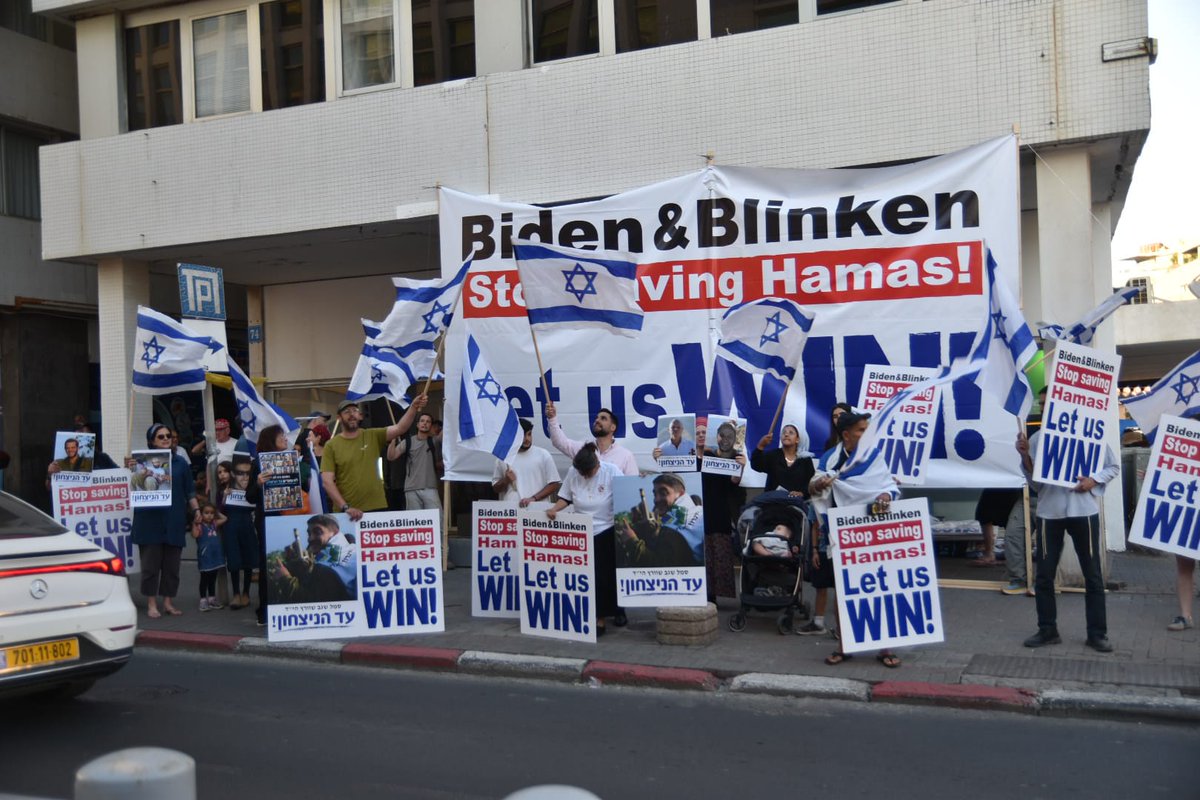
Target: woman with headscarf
point(589, 488)
point(161, 532)
point(790, 467)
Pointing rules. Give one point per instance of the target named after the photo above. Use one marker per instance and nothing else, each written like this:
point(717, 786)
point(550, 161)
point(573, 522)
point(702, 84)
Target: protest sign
point(887, 589)
point(676, 447)
point(98, 510)
point(890, 260)
point(907, 441)
point(659, 533)
point(495, 580)
point(331, 578)
point(1079, 399)
point(74, 454)
point(281, 492)
point(1168, 509)
point(239, 481)
point(558, 576)
point(725, 440)
point(150, 479)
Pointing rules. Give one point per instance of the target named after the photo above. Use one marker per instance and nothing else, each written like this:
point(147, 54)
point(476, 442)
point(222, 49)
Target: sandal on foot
point(889, 660)
point(153, 613)
point(833, 659)
point(174, 612)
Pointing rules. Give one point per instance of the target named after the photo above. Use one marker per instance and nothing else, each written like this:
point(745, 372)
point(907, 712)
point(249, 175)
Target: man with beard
point(350, 463)
point(671, 535)
point(529, 476)
point(604, 426)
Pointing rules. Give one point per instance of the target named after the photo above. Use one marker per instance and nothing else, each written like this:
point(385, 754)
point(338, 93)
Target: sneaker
point(213, 605)
point(811, 629)
point(1044, 636)
point(1100, 644)
point(1013, 588)
point(204, 604)
point(1180, 624)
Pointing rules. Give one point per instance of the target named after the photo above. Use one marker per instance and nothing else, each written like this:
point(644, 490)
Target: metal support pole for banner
point(445, 526)
point(1028, 543)
point(129, 425)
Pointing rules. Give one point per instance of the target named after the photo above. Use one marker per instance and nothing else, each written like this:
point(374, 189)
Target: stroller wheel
point(737, 622)
point(784, 623)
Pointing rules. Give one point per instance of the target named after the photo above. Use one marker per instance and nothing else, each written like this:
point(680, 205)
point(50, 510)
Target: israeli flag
point(255, 413)
point(579, 288)
point(1083, 331)
point(167, 356)
point(381, 372)
point(486, 421)
point(765, 336)
point(1178, 394)
point(422, 311)
point(1006, 347)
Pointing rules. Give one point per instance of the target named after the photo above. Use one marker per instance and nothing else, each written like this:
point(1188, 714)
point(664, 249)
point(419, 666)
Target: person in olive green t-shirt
point(350, 463)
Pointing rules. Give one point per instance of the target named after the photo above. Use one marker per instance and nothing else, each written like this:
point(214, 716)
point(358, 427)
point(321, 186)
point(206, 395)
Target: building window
point(654, 23)
point(1143, 295)
point(564, 28)
point(443, 40)
point(367, 53)
point(154, 88)
point(742, 16)
point(21, 195)
point(834, 6)
point(292, 38)
point(221, 57)
point(18, 16)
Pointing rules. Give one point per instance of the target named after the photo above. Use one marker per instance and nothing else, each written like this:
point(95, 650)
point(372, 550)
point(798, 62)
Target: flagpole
point(441, 348)
point(129, 426)
point(537, 353)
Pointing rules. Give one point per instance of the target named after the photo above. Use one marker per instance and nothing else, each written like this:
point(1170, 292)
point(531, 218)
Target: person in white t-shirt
point(529, 476)
point(225, 444)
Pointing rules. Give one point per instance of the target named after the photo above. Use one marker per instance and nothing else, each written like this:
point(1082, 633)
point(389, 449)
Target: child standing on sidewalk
point(206, 530)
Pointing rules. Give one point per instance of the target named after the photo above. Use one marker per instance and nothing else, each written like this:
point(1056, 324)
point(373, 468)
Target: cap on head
point(221, 425)
point(342, 406)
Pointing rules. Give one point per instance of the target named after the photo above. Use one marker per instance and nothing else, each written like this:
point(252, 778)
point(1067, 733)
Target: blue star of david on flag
point(773, 328)
point(1186, 383)
point(998, 320)
point(376, 374)
point(493, 396)
point(151, 346)
point(1176, 394)
point(255, 413)
point(435, 318)
point(589, 286)
point(246, 415)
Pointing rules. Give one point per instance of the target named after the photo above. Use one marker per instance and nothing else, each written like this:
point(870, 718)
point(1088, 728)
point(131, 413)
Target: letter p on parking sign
point(201, 291)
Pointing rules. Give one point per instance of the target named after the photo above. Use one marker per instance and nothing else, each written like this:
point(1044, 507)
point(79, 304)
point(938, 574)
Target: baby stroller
point(772, 583)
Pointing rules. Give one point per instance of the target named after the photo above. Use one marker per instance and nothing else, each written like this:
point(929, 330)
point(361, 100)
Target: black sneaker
point(1100, 644)
point(620, 620)
point(1043, 637)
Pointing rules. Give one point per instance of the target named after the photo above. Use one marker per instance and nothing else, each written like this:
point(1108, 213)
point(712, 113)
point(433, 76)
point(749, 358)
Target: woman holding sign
point(160, 533)
point(589, 487)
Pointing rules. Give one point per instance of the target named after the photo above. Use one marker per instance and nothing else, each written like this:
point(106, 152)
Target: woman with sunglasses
point(161, 533)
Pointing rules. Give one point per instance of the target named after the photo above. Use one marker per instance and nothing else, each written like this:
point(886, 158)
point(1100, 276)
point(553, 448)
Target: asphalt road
point(265, 729)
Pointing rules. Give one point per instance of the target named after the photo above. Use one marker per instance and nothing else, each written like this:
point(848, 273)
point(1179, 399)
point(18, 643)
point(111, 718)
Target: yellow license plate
point(40, 654)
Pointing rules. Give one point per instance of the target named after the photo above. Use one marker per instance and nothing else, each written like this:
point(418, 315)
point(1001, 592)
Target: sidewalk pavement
point(1153, 673)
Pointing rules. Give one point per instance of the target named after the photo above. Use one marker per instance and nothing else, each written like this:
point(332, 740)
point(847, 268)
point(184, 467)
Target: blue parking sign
point(201, 291)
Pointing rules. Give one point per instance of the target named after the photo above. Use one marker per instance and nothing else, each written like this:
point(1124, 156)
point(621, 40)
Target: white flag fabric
point(486, 421)
point(254, 412)
point(1007, 345)
point(765, 336)
point(578, 288)
point(381, 372)
point(422, 311)
point(167, 355)
point(1177, 393)
point(1083, 331)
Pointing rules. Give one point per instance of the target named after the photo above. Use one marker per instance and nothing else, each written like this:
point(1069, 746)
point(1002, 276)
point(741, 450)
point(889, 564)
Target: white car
point(66, 617)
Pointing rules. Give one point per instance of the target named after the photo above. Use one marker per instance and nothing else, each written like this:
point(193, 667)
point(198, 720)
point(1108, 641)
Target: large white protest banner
point(1080, 396)
point(889, 260)
point(98, 510)
point(495, 577)
point(659, 532)
point(558, 576)
point(887, 589)
point(909, 434)
point(1168, 510)
point(333, 578)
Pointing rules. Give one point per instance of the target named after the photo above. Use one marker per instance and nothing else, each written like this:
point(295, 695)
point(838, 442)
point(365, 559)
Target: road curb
point(956, 695)
point(521, 666)
point(176, 640)
point(321, 651)
point(641, 675)
point(401, 656)
point(801, 686)
point(1067, 703)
